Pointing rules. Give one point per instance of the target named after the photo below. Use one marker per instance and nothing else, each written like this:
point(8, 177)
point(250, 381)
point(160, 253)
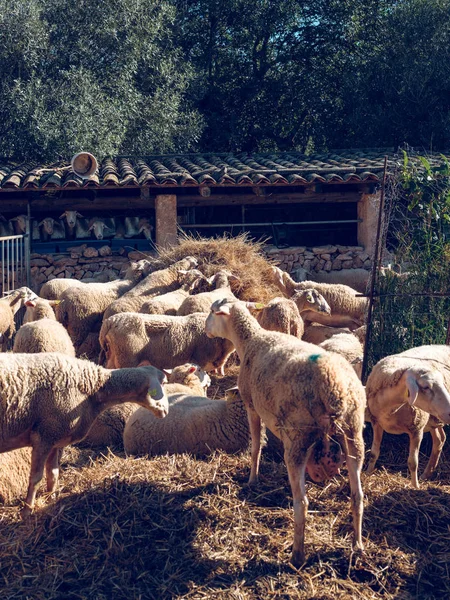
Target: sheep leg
point(415, 439)
point(39, 456)
point(254, 422)
point(438, 436)
point(52, 469)
point(300, 501)
point(355, 458)
point(375, 450)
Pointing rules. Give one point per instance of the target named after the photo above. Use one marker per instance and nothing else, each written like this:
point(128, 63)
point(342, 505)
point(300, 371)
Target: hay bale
point(15, 472)
point(240, 255)
point(107, 429)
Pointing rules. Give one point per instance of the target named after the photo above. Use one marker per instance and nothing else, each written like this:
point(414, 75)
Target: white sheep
point(110, 424)
point(309, 398)
point(70, 217)
point(44, 335)
point(347, 309)
point(348, 346)
point(15, 469)
point(316, 333)
point(157, 283)
point(408, 393)
point(48, 401)
point(81, 308)
point(357, 279)
point(195, 424)
point(284, 314)
point(39, 308)
point(202, 302)
point(168, 304)
point(9, 305)
point(165, 341)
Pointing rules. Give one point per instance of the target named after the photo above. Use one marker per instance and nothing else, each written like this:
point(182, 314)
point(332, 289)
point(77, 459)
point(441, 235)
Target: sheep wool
point(45, 335)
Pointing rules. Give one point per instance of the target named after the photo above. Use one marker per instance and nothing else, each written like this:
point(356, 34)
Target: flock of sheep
point(150, 339)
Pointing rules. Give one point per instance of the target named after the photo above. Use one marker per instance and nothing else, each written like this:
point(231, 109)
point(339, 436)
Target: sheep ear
point(211, 279)
point(41, 223)
point(91, 228)
point(413, 388)
point(63, 215)
point(183, 271)
point(192, 369)
point(78, 215)
point(30, 303)
point(255, 305)
point(54, 302)
point(168, 371)
point(223, 310)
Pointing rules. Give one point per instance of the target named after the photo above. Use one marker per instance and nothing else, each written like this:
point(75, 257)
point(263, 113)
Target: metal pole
point(28, 245)
point(374, 272)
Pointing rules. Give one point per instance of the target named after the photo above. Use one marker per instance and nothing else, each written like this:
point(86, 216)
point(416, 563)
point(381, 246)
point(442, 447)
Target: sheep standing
point(168, 304)
point(347, 310)
point(306, 397)
point(39, 308)
point(408, 393)
point(202, 302)
point(284, 314)
point(15, 469)
point(44, 335)
point(157, 283)
point(9, 305)
point(48, 401)
point(316, 334)
point(70, 218)
point(164, 341)
point(81, 308)
point(195, 424)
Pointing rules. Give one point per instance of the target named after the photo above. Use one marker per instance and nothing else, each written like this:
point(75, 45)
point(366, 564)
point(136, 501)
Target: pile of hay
point(176, 527)
point(240, 255)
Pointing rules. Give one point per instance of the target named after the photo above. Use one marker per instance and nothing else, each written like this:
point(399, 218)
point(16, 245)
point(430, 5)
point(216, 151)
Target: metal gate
point(15, 262)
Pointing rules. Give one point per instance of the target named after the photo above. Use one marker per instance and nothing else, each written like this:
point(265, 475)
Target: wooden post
point(368, 211)
point(166, 220)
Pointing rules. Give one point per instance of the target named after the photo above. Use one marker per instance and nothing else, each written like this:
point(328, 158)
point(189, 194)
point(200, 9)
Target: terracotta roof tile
point(182, 170)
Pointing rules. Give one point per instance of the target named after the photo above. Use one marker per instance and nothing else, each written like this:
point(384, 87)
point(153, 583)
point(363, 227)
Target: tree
point(101, 76)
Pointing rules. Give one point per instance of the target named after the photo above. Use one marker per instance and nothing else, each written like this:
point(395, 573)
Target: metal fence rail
point(15, 262)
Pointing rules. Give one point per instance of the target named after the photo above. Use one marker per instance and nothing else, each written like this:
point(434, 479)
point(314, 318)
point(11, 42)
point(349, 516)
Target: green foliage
point(103, 76)
point(406, 314)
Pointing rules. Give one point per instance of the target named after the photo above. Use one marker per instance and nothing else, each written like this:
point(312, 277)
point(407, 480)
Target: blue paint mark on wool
point(314, 357)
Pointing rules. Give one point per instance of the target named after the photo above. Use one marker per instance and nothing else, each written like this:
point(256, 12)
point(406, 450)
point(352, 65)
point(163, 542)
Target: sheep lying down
point(50, 400)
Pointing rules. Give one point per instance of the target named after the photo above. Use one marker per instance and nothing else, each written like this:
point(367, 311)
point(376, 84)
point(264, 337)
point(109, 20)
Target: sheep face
point(48, 224)
point(311, 300)
point(153, 396)
point(216, 321)
point(426, 390)
point(98, 228)
point(71, 217)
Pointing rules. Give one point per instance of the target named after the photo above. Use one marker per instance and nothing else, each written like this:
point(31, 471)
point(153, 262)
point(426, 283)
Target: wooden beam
point(166, 220)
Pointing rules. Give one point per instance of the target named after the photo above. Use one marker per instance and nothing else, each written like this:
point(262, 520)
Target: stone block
point(105, 251)
point(327, 266)
point(324, 249)
point(347, 264)
point(90, 252)
point(39, 262)
point(336, 265)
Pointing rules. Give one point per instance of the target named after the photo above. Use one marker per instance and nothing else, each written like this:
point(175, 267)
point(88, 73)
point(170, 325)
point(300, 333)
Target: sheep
point(316, 334)
point(44, 335)
point(408, 393)
point(110, 424)
point(168, 304)
point(50, 229)
point(6, 227)
point(306, 397)
point(155, 284)
point(195, 424)
point(348, 346)
point(165, 341)
point(98, 226)
point(15, 469)
point(357, 279)
point(9, 305)
point(202, 302)
point(81, 308)
point(347, 310)
point(19, 224)
point(70, 217)
point(39, 308)
point(48, 401)
point(284, 314)
point(145, 227)
point(52, 290)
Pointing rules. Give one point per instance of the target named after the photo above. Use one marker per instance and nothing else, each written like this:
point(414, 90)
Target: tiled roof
point(181, 170)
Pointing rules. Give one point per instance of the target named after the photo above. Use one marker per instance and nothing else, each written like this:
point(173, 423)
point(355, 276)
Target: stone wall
point(320, 258)
point(81, 262)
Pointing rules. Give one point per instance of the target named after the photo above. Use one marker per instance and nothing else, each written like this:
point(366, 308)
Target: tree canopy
point(154, 76)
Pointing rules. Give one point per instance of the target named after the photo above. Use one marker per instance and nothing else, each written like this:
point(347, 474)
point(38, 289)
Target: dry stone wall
point(320, 258)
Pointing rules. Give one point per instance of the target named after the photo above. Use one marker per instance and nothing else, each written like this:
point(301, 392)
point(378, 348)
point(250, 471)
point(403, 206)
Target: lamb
point(44, 335)
point(9, 305)
point(195, 424)
point(155, 284)
point(284, 314)
point(348, 346)
point(347, 310)
point(168, 304)
point(48, 401)
point(165, 341)
point(110, 424)
point(202, 302)
point(81, 308)
point(306, 397)
point(39, 308)
point(408, 393)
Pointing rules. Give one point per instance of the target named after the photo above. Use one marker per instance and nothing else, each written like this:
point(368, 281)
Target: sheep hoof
point(25, 511)
point(297, 559)
point(253, 481)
